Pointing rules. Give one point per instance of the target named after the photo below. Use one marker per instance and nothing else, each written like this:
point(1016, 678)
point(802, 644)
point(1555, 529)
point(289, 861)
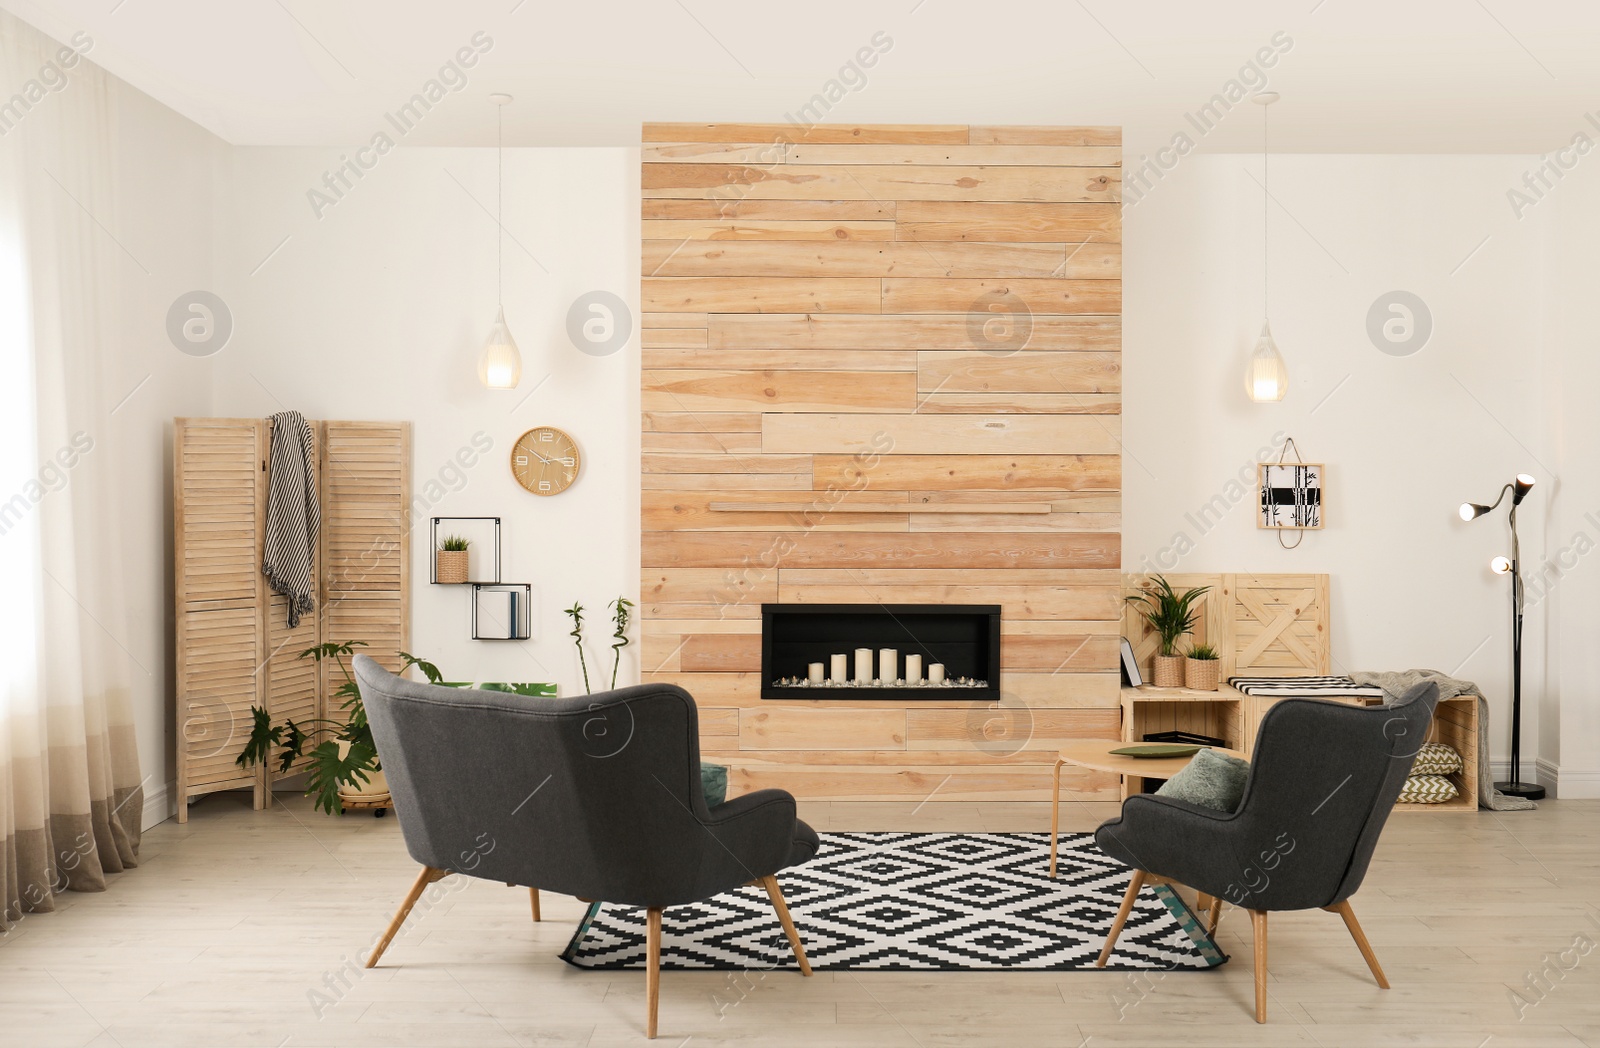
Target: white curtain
point(70, 796)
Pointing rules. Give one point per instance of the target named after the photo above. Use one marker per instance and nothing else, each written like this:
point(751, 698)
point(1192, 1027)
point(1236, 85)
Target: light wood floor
point(229, 924)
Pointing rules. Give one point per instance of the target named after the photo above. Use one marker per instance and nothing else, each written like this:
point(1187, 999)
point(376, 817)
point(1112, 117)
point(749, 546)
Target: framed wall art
point(1291, 496)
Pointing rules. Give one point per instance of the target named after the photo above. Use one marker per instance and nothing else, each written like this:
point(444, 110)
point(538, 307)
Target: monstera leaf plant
point(341, 752)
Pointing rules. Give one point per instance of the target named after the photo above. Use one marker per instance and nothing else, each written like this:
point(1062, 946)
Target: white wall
point(1405, 439)
point(163, 224)
point(1572, 575)
point(377, 310)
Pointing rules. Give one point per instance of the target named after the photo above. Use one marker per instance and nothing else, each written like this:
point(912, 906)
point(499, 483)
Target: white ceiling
point(1467, 76)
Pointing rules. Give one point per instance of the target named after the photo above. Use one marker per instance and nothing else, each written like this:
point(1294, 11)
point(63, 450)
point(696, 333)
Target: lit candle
point(913, 668)
point(888, 665)
point(936, 673)
point(814, 672)
point(864, 665)
point(838, 671)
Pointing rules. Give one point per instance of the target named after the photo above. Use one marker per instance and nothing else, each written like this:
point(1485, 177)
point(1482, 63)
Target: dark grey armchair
point(1323, 780)
point(597, 796)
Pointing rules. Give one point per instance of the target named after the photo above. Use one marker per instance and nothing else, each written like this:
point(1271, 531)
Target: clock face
point(545, 461)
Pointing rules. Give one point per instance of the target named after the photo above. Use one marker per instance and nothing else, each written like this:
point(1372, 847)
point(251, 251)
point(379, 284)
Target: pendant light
point(1267, 379)
point(500, 365)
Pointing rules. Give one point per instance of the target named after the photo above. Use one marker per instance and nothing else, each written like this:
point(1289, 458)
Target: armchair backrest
point(1323, 779)
point(596, 796)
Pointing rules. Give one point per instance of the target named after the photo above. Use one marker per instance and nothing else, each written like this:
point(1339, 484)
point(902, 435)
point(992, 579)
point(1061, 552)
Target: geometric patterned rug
point(918, 902)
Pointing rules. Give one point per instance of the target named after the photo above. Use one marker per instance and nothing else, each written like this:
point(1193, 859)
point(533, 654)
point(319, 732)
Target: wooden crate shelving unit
point(1221, 714)
point(1266, 626)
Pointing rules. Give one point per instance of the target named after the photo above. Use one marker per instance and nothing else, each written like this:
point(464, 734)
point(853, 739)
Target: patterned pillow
point(1428, 789)
point(1436, 758)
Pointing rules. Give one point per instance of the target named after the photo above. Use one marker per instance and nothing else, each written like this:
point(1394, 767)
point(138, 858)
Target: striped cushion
point(1436, 758)
point(1304, 687)
point(1428, 789)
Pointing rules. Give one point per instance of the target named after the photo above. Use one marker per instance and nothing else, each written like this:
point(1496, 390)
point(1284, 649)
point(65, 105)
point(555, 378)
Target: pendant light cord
point(1266, 198)
point(499, 206)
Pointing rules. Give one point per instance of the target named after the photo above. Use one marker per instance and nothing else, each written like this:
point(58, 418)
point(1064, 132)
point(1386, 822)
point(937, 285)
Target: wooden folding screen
point(234, 646)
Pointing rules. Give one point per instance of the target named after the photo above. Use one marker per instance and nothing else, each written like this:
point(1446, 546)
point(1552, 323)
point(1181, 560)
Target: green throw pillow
point(714, 783)
point(1211, 779)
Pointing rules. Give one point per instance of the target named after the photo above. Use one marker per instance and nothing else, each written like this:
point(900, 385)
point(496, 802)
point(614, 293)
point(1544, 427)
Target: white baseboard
point(158, 807)
point(1580, 784)
point(1546, 773)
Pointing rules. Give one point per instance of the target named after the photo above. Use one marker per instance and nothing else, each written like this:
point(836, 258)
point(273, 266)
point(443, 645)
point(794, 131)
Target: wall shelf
point(500, 610)
point(433, 548)
point(502, 619)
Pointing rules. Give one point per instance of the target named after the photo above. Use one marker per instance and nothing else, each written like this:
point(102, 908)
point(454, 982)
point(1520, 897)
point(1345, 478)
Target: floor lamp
point(1519, 489)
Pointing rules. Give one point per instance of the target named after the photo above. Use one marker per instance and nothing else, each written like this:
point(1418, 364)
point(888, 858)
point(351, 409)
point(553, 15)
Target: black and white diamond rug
point(918, 902)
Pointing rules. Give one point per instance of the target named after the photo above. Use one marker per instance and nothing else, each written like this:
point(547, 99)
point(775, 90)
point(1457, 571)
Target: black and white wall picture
point(1291, 496)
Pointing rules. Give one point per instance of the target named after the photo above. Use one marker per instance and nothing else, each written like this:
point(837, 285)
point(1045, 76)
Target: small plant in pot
point(1201, 669)
point(1171, 616)
point(450, 560)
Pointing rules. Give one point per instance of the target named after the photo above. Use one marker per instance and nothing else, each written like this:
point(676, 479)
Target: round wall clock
point(545, 460)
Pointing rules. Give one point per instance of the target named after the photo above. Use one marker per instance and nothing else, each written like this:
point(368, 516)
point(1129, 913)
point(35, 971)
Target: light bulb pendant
point(1267, 379)
point(500, 365)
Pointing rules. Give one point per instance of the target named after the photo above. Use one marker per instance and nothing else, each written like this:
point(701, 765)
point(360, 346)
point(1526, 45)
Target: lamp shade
point(1500, 565)
point(1520, 488)
point(1472, 510)
point(500, 365)
point(1266, 379)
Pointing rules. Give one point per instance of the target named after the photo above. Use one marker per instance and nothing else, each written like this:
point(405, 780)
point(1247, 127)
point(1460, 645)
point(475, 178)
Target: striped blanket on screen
point(293, 515)
point(1304, 687)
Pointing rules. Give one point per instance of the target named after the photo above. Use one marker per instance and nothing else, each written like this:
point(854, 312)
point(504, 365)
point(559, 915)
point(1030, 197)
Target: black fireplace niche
point(965, 638)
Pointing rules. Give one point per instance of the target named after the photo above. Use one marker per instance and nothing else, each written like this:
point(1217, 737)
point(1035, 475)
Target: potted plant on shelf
point(1200, 668)
point(450, 560)
point(1171, 615)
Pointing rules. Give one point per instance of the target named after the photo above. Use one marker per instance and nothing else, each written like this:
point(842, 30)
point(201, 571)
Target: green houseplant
point(450, 560)
point(621, 617)
point(1201, 668)
point(343, 758)
point(1171, 616)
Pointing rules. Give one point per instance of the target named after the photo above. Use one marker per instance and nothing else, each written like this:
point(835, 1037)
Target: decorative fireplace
point(880, 651)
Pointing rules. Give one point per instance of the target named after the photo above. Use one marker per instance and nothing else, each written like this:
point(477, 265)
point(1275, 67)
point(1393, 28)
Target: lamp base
point(1528, 790)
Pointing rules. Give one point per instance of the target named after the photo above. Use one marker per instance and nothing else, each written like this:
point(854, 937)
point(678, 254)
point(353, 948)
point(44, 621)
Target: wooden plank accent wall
point(841, 317)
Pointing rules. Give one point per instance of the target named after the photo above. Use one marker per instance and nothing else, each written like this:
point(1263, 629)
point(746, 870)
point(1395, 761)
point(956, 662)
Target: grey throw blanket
point(1396, 684)
point(293, 516)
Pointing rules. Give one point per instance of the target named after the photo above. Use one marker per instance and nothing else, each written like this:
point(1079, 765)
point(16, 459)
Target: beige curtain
point(70, 795)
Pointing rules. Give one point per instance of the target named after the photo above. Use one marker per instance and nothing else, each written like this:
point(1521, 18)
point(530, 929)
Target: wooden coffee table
point(1096, 755)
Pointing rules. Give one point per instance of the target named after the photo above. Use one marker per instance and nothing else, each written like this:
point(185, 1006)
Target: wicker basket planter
point(1168, 671)
point(1201, 674)
point(451, 566)
point(361, 796)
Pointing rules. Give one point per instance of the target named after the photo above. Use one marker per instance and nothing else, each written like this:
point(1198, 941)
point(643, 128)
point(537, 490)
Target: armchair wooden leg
point(1055, 816)
point(652, 972)
point(1349, 915)
point(775, 894)
point(425, 878)
point(1215, 916)
point(1258, 924)
point(533, 897)
point(1122, 917)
